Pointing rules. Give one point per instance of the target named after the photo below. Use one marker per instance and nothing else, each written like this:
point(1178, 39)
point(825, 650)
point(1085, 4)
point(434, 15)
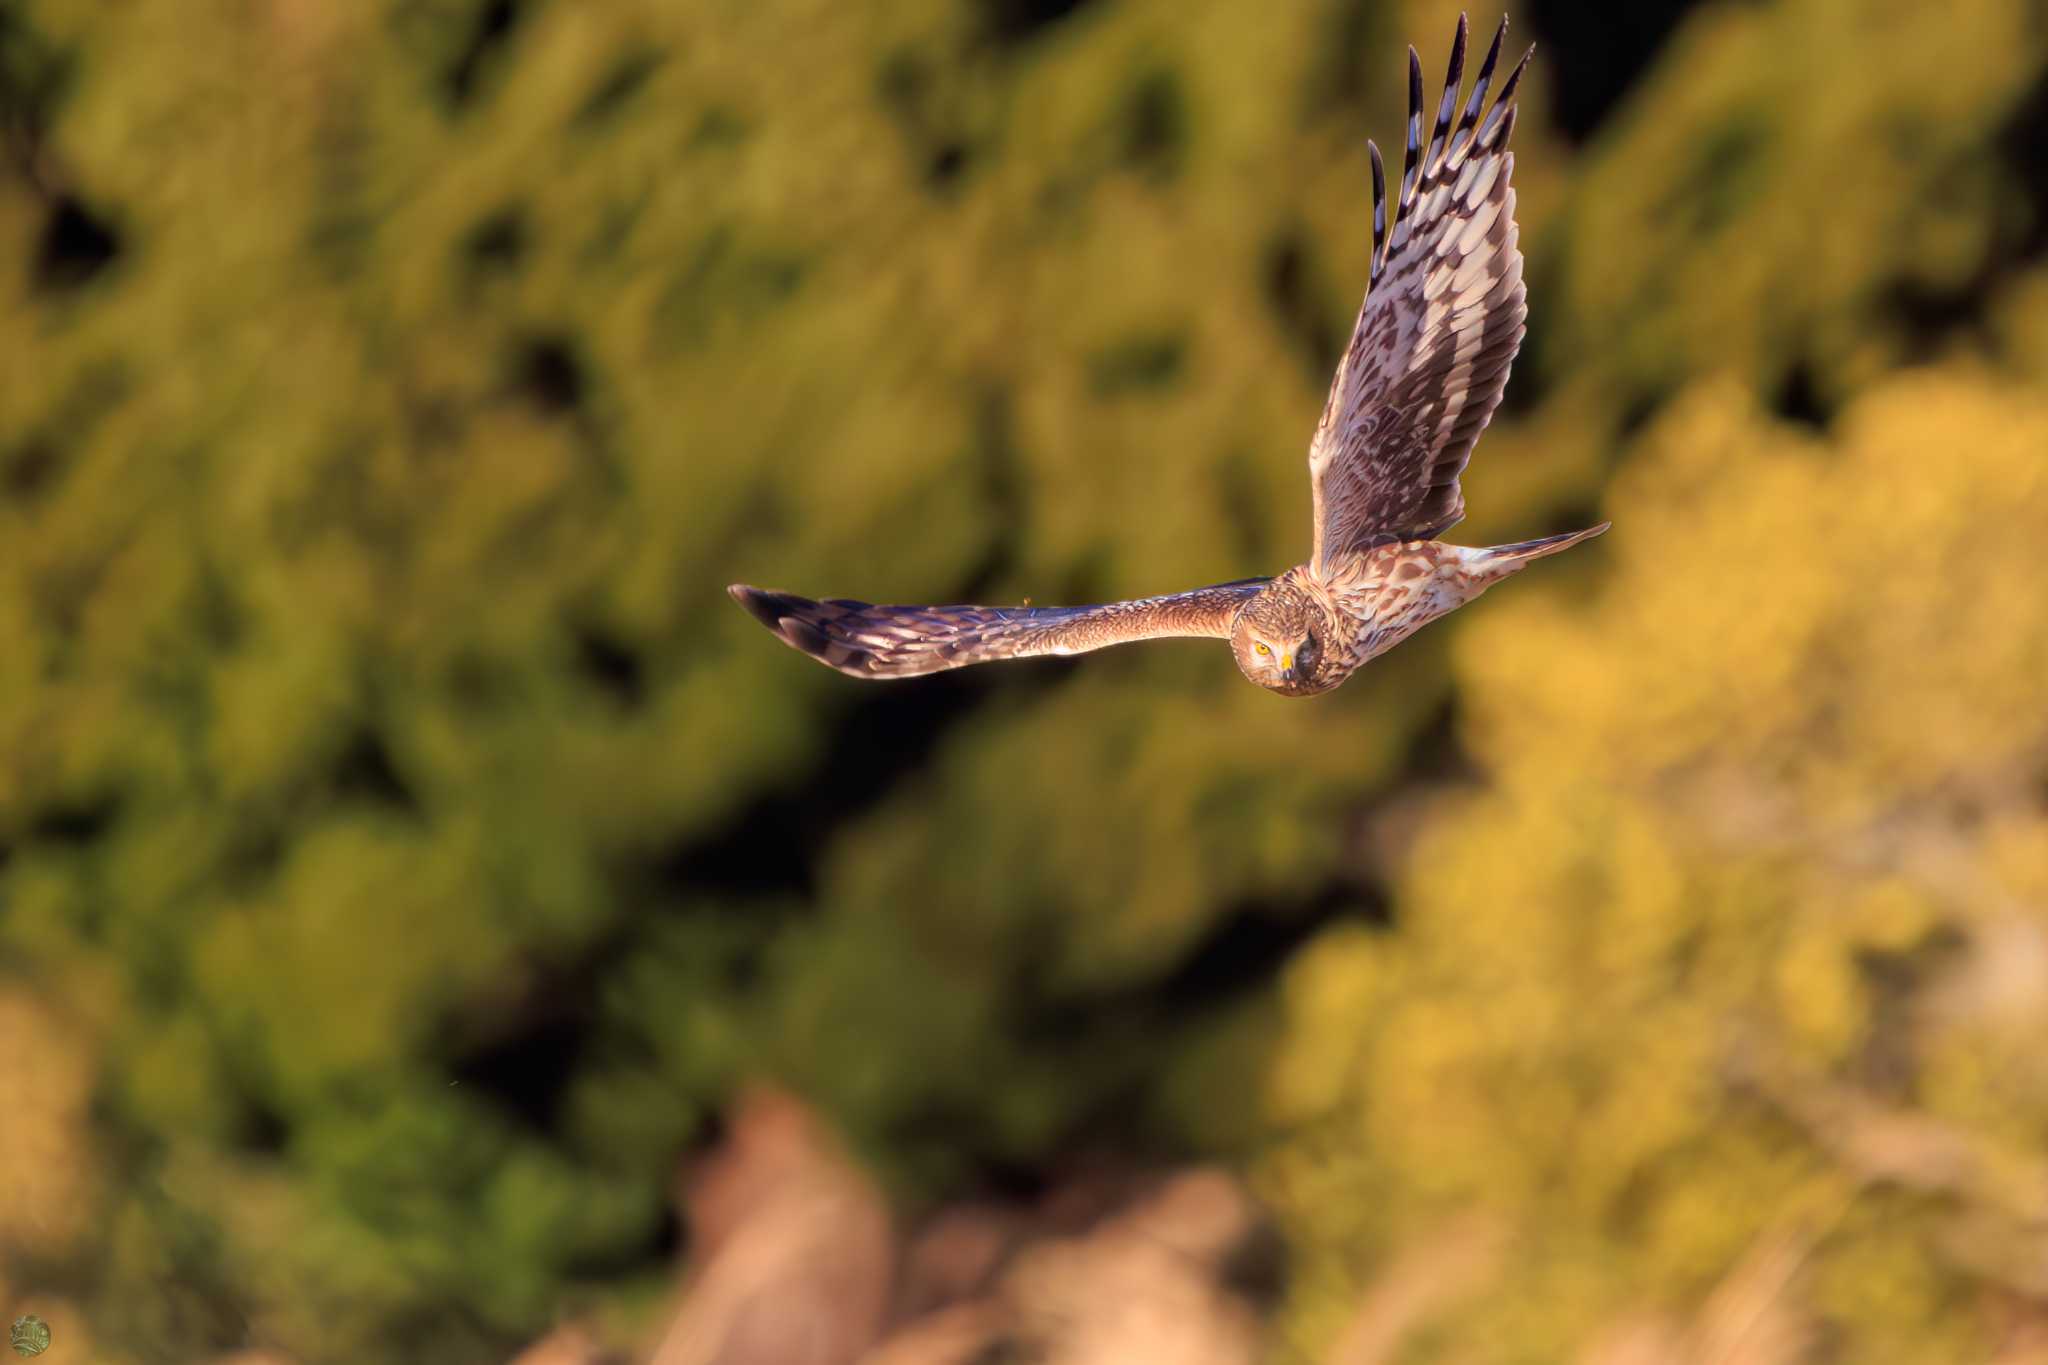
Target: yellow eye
point(1264, 652)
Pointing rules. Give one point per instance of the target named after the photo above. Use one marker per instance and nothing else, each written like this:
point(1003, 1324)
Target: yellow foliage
point(49, 1186)
point(1735, 850)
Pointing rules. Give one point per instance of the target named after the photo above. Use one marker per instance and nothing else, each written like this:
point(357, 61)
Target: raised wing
point(1441, 321)
point(901, 642)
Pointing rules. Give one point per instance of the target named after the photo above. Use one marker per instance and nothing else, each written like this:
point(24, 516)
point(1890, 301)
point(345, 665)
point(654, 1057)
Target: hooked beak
point(1287, 668)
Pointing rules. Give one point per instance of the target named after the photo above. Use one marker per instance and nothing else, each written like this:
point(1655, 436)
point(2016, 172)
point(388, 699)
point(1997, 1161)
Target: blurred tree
point(1746, 930)
point(389, 790)
point(418, 848)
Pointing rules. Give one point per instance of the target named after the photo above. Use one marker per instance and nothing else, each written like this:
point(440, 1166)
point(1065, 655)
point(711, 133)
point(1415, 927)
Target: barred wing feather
point(867, 641)
point(1441, 322)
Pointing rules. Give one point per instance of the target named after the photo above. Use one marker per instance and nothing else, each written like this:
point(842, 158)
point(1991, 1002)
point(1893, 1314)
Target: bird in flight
point(1441, 322)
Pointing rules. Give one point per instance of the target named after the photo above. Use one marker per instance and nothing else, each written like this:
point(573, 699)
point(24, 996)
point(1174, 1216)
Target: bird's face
point(1280, 644)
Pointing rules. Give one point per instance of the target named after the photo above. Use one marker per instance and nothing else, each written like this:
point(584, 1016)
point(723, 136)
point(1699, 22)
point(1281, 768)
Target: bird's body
point(1363, 604)
point(1428, 360)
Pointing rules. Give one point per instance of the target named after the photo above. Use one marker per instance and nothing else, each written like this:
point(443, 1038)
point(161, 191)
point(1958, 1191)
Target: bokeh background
point(412, 867)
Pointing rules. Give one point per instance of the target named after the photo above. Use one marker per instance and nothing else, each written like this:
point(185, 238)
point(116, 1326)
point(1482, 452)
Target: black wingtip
point(793, 619)
point(1507, 90)
point(1411, 158)
point(1528, 551)
point(1379, 210)
point(1447, 104)
point(769, 608)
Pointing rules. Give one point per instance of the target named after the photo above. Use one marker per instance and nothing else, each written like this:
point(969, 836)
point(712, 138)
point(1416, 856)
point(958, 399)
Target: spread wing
point(1441, 321)
point(901, 642)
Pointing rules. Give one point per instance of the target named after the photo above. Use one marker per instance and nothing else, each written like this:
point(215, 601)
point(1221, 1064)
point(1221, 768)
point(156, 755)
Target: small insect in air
point(1428, 360)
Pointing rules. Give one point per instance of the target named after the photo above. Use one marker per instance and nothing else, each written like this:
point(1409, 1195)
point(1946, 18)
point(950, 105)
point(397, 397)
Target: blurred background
point(436, 925)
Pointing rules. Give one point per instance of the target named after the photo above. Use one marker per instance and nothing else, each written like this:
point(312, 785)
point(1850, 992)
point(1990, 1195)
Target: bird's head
point(1280, 641)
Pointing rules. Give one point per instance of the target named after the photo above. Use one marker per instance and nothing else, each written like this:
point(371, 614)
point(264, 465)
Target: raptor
point(1442, 319)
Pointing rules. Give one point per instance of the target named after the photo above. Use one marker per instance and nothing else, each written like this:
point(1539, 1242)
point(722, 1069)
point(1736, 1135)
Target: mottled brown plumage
point(900, 642)
point(1428, 360)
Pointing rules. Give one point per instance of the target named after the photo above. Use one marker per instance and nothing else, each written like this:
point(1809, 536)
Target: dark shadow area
point(1637, 411)
point(1250, 942)
point(774, 845)
point(885, 733)
point(1437, 753)
point(1932, 318)
point(1259, 1267)
point(1294, 290)
point(253, 856)
point(263, 1131)
point(527, 1069)
point(947, 162)
point(41, 457)
point(1238, 954)
point(909, 87)
point(662, 1244)
point(1894, 979)
point(365, 772)
point(1011, 22)
point(1797, 398)
point(627, 77)
point(2023, 145)
point(610, 665)
point(495, 21)
point(498, 243)
point(76, 823)
point(76, 245)
point(34, 76)
point(1597, 53)
point(30, 468)
point(547, 373)
point(1140, 363)
point(1152, 125)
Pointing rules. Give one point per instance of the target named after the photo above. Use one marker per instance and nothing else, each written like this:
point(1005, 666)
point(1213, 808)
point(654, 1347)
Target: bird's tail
point(1498, 561)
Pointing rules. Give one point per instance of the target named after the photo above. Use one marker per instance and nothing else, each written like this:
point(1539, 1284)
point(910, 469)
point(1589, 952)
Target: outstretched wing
point(1441, 321)
point(901, 642)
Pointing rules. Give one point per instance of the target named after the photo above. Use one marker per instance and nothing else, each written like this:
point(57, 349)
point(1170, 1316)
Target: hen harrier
point(1441, 321)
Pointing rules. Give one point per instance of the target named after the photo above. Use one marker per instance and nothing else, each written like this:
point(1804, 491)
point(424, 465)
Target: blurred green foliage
point(413, 847)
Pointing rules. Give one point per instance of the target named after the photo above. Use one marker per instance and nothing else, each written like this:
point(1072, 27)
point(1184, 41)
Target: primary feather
point(868, 641)
point(1441, 322)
